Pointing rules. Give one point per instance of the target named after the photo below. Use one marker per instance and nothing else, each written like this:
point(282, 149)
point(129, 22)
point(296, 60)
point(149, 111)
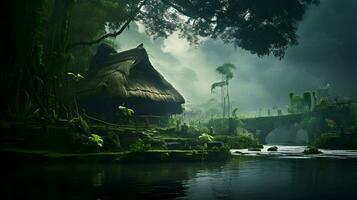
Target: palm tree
point(226, 71)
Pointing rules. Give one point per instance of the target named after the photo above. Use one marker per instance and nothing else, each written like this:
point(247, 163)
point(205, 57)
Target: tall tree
point(226, 71)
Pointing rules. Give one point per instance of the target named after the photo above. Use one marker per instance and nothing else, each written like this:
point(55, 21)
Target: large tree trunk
point(21, 48)
point(228, 101)
point(223, 101)
point(34, 56)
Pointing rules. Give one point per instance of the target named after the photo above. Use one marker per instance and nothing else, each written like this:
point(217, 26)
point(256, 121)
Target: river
point(285, 174)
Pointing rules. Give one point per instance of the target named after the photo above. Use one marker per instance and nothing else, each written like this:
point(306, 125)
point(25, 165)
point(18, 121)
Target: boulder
point(274, 148)
point(311, 150)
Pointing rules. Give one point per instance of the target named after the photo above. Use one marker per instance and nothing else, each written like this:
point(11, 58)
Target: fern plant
point(96, 139)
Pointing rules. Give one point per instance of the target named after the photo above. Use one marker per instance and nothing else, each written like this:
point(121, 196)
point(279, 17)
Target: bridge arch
point(278, 129)
point(288, 134)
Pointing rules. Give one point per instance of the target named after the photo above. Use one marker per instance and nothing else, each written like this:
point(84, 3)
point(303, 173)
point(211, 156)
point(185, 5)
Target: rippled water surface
point(285, 175)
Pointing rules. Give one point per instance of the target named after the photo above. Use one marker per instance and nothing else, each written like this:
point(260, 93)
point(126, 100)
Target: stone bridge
point(287, 128)
point(281, 129)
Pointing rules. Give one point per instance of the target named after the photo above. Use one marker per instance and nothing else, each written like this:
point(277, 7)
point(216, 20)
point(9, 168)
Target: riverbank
point(150, 156)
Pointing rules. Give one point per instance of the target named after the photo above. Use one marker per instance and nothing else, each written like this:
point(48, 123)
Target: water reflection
point(242, 178)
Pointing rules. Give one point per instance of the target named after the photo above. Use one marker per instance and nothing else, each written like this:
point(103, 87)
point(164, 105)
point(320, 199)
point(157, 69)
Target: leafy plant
point(76, 77)
point(204, 137)
point(174, 122)
point(96, 139)
point(126, 111)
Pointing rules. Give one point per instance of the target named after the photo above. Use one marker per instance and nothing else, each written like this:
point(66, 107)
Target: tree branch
point(177, 8)
point(114, 34)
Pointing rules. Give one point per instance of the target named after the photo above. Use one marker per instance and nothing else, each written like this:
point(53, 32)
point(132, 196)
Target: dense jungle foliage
point(46, 39)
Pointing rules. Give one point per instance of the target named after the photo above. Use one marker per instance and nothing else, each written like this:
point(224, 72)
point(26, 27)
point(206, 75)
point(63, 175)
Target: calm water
point(285, 175)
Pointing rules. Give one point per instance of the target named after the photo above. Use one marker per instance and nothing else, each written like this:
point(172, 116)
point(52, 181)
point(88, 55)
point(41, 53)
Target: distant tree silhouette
point(226, 71)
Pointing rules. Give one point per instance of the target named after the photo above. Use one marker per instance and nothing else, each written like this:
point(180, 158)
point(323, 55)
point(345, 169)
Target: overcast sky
point(326, 54)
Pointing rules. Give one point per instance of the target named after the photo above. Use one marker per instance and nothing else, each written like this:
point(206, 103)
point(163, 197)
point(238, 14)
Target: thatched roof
point(126, 75)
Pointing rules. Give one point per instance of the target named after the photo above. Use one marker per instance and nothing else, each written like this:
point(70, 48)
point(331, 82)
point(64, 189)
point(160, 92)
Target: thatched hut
point(127, 79)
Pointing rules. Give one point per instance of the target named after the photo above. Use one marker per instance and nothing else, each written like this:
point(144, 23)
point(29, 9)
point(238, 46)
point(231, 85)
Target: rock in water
point(312, 150)
point(274, 148)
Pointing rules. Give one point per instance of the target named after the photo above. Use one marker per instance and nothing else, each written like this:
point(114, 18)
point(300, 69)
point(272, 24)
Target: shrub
point(327, 140)
point(174, 122)
point(139, 146)
point(336, 141)
point(83, 143)
point(204, 137)
point(241, 141)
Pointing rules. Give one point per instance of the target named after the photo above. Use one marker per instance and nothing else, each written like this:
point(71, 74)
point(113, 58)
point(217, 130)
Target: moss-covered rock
point(311, 150)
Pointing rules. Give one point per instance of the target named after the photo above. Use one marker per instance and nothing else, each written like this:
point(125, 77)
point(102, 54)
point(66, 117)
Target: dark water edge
point(241, 178)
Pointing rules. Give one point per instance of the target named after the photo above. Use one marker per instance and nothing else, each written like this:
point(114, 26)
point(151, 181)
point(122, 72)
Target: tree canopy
point(226, 70)
point(261, 27)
